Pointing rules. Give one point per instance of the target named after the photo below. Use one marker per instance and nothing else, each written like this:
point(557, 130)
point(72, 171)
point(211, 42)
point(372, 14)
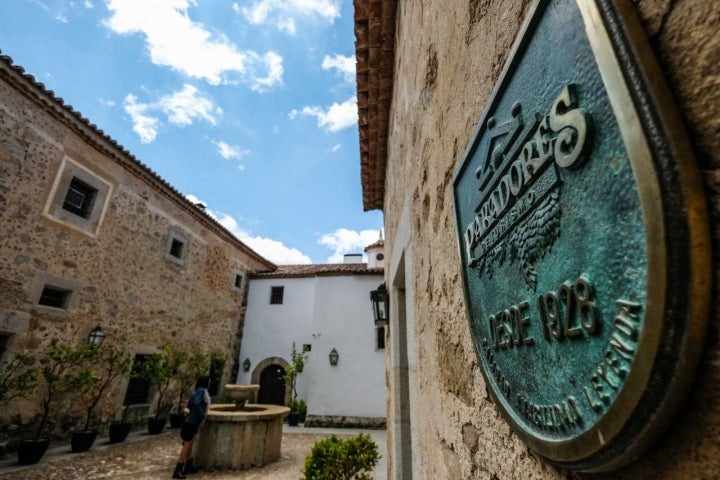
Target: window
point(176, 248)
point(137, 389)
point(307, 347)
point(276, 295)
point(4, 341)
point(237, 284)
point(80, 198)
point(380, 257)
point(54, 297)
point(380, 338)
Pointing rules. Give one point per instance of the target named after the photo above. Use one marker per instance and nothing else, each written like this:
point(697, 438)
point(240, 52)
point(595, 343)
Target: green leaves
point(17, 377)
point(335, 459)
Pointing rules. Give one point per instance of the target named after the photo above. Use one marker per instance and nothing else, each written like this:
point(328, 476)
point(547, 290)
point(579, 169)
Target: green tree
point(196, 363)
point(17, 377)
point(160, 369)
point(100, 367)
point(58, 368)
point(297, 364)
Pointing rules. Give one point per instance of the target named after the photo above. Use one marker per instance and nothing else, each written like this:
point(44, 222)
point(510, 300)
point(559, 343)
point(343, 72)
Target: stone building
point(92, 237)
point(426, 73)
point(322, 309)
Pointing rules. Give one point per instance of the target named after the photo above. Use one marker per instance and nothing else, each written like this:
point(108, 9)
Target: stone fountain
point(240, 435)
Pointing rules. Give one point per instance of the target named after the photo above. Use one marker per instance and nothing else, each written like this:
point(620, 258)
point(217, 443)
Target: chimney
point(353, 258)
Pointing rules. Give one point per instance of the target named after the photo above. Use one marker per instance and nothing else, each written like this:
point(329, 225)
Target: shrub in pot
point(297, 363)
point(160, 369)
point(101, 367)
point(57, 369)
point(18, 377)
point(193, 365)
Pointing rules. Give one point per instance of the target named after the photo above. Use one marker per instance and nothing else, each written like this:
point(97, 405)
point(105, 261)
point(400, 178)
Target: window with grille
point(80, 198)
point(380, 338)
point(176, 249)
point(54, 297)
point(238, 281)
point(137, 389)
point(276, 295)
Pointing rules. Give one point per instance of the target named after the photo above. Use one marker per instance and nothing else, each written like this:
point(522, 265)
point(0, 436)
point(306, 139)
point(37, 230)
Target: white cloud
point(273, 250)
point(344, 65)
point(283, 12)
point(107, 103)
point(181, 108)
point(174, 40)
point(287, 25)
point(144, 125)
point(335, 148)
point(337, 117)
point(229, 152)
point(274, 65)
point(88, 4)
point(184, 106)
point(343, 241)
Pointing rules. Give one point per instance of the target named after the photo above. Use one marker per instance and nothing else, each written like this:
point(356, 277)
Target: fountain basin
point(240, 394)
point(232, 439)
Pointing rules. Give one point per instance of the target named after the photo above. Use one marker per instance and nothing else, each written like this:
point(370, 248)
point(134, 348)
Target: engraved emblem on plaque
point(583, 239)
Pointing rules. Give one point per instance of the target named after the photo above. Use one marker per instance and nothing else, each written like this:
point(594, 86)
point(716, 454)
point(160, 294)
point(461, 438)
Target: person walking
point(198, 406)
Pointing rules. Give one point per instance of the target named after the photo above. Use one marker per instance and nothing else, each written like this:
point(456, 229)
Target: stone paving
point(153, 457)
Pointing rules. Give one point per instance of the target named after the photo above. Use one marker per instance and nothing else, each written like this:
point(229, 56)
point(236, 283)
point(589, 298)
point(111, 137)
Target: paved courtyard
point(153, 457)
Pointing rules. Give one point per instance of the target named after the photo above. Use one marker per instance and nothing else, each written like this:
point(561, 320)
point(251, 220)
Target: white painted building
point(319, 308)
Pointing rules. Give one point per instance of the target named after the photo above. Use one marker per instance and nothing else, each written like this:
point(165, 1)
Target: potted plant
point(56, 371)
point(160, 369)
point(101, 368)
point(297, 363)
point(17, 377)
point(194, 365)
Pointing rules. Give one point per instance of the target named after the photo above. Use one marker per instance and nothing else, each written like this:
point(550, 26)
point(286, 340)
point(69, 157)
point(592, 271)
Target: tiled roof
point(379, 243)
point(56, 106)
point(319, 270)
point(375, 57)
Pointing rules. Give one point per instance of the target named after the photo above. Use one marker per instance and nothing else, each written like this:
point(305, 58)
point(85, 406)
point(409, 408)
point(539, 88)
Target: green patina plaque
point(583, 239)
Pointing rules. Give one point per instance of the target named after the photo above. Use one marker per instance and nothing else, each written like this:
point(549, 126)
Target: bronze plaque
point(583, 239)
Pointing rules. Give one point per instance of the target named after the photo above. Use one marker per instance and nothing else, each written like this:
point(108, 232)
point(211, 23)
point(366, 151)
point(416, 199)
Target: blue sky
point(247, 106)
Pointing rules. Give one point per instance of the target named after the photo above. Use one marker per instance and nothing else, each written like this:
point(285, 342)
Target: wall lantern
point(96, 337)
point(246, 365)
point(333, 357)
point(380, 302)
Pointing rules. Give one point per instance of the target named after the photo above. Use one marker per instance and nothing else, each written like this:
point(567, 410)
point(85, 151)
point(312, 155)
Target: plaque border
point(678, 245)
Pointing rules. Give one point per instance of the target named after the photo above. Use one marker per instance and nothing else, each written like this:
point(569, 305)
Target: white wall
point(343, 316)
point(325, 312)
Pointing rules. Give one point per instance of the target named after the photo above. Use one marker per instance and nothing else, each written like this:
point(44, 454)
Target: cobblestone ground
point(155, 457)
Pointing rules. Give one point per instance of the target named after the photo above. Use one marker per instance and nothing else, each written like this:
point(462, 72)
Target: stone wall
point(118, 269)
point(448, 57)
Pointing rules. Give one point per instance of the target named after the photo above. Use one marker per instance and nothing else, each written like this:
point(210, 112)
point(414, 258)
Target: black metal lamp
point(334, 356)
point(96, 337)
point(380, 301)
point(246, 365)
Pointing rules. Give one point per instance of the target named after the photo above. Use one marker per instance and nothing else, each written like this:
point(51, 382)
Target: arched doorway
point(272, 385)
